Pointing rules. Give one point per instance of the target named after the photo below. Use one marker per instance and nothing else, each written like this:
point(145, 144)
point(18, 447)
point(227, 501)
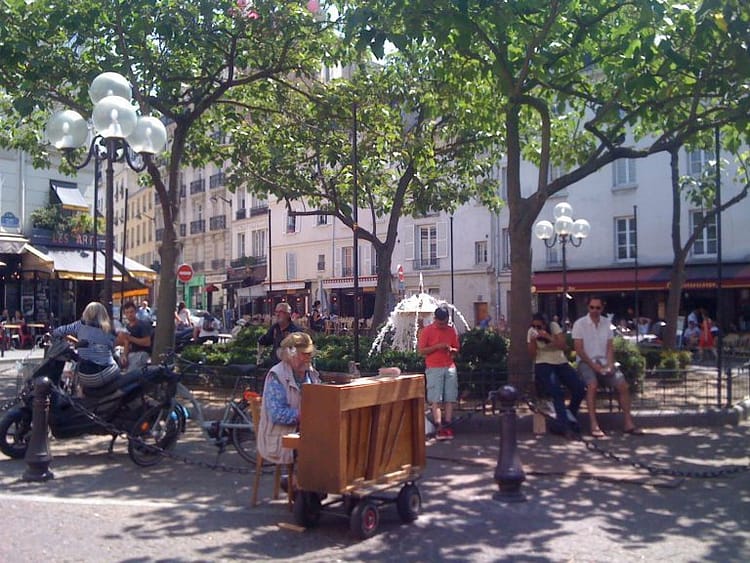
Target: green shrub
point(632, 362)
point(483, 350)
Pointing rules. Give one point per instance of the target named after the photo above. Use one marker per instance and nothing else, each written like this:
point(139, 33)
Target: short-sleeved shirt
point(433, 334)
point(547, 352)
point(139, 330)
point(594, 337)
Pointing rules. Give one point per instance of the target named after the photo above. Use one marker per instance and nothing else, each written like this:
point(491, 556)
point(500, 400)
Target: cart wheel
point(409, 503)
point(307, 509)
point(364, 519)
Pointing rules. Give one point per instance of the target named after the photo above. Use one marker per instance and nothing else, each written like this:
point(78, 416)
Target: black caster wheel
point(409, 503)
point(364, 519)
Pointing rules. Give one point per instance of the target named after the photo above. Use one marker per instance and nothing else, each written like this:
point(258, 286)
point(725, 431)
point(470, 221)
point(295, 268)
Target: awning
point(246, 276)
point(69, 195)
point(131, 293)
point(705, 276)
point(697, 276)
point(78, 264)
point(34, 259)
point(135, 269)
point(210, 288)
point(11, 243)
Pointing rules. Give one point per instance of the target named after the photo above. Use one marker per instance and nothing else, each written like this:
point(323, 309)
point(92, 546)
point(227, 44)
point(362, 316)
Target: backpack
point(208, 323)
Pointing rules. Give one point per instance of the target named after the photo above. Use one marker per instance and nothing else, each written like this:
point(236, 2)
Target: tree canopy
point(575, 84)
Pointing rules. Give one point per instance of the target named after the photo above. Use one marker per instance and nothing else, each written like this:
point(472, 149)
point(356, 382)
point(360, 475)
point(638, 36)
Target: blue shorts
point(442, 385)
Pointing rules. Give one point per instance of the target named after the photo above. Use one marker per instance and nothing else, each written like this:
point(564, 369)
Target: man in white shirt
point(592, 338)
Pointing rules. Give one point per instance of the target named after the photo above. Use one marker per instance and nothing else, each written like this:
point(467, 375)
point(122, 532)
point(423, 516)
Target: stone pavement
point(579, 505)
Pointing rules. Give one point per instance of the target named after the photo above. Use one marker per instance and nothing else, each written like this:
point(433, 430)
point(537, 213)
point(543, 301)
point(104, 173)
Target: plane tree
point(182, 59)
point(574, 84)
point(415, 154)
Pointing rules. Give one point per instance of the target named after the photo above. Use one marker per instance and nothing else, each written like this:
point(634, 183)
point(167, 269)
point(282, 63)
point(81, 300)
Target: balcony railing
point(197, 186)
point(241, 213)
point(217, 223)
point(216, 180)
point(218, 264)
point(198, 266)
point(426, 264)
point(159, 235)
point(259, 210)
point(347, 272)
point(247, 261)
point(197, 227)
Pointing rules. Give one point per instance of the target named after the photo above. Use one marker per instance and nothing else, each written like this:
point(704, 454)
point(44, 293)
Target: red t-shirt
point(433, 334)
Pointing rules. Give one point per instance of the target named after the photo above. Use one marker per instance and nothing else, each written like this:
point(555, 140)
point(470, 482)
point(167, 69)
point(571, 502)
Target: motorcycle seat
point(118, 384)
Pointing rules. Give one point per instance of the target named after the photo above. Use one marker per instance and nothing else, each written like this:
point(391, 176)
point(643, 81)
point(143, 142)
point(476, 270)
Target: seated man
point(592, 337)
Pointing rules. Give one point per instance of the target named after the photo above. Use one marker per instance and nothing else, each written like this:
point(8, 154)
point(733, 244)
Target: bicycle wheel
point(158, 428)
point(243, 439)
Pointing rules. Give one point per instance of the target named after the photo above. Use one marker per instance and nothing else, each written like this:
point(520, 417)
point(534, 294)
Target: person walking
point(592, 337)
point(438, 343)
point(553, 374)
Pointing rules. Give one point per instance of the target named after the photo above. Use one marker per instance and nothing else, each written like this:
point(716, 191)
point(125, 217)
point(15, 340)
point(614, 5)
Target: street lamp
point(119, 133)
point(216, 198)
point(565, 231)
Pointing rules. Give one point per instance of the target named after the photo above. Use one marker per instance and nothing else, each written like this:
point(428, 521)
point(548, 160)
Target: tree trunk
point(383, 292)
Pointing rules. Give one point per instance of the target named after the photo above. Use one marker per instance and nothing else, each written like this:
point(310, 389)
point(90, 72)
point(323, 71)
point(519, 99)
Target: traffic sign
point(185, 273)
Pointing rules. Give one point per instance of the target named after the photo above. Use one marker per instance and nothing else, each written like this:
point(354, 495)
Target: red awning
point(210, 288)
point(698, 276)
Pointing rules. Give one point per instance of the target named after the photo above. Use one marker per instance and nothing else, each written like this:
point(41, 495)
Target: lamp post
point(565, 231)
point(118, 133)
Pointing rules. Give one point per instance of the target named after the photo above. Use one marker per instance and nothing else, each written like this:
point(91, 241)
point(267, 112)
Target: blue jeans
point(551, 380)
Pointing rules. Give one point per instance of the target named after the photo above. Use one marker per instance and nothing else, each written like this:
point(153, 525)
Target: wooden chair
point(255, 406)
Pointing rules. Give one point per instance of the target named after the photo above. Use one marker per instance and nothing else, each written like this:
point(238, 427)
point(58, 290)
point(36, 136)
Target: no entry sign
point(185, 273)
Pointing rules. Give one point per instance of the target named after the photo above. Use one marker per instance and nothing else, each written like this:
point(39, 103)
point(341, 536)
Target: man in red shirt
point(438, 343)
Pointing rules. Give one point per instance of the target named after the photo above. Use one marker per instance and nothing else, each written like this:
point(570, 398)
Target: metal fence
point(691, 388)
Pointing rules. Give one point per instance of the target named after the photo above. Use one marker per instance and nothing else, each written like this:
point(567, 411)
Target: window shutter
point(409, 242)
point(442, 240)
point(337, 262)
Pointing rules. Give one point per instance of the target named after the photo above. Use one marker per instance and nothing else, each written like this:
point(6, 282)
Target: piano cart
point(358, 442)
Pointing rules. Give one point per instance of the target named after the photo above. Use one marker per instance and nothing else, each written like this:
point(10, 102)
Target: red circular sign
point(185, 273)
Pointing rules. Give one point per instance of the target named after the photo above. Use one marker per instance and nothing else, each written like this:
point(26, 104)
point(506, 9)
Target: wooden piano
point(363, 435)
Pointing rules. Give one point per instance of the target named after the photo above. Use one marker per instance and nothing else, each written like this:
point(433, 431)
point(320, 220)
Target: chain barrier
point(593, 446)
point(10, 404)
point(156, 449)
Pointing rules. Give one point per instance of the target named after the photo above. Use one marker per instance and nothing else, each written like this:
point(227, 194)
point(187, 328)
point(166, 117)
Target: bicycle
point(236, 421)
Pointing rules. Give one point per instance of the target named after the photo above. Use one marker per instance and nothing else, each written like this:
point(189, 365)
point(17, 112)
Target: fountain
point(404, 321)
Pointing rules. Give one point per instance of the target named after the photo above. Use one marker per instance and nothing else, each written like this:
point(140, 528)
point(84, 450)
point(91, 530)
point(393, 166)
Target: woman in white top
point(552, 372)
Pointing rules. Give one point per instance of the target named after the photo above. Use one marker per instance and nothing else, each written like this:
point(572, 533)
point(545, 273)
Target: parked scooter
point(139, 404)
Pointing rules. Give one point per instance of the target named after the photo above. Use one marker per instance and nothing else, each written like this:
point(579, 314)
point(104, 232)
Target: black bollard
point(509, 474)
point(38, 456)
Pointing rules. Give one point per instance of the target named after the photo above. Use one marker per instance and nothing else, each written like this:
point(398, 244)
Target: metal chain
point(126, 434)
point(10, 404)
point(593, 446)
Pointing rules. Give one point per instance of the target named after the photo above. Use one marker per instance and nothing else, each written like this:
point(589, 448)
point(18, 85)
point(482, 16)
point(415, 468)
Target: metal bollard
point(509, 474)
point(38, 456)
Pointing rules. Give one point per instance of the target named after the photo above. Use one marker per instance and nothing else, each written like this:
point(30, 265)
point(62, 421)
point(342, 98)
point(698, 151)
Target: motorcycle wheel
point(158, 428)
point(243, 439)
point(15, 432)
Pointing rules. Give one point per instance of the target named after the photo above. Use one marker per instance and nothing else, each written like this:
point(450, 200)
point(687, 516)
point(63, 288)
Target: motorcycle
point(140, 404)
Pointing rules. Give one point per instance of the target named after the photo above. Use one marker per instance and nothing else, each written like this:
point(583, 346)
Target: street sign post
point(185, 273)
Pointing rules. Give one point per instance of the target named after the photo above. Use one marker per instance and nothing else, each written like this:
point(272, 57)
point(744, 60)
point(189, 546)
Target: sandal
point(635, 431)
point(597, 433)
